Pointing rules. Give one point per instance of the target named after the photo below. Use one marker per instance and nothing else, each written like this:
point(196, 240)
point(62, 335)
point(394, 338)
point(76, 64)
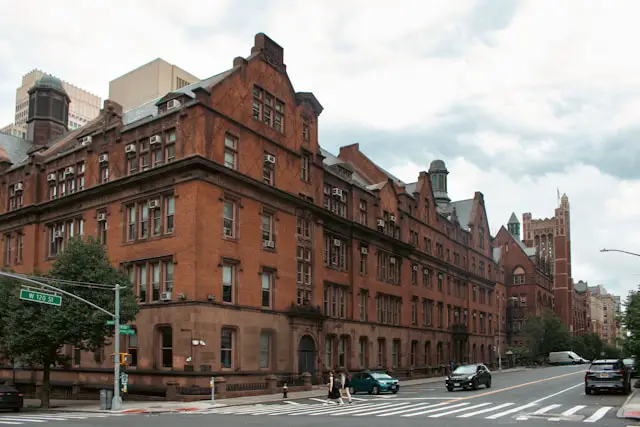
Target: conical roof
point(513, 219)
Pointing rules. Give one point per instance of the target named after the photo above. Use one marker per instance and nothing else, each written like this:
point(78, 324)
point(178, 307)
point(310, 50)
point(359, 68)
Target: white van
point(565, 358)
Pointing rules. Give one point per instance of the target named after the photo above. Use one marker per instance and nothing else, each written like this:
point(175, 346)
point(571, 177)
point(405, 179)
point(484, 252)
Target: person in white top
point(346, 384)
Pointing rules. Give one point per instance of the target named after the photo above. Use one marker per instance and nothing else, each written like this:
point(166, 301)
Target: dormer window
point(173, 103)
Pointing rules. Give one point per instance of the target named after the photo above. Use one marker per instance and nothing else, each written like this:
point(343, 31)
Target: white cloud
point(552, 74)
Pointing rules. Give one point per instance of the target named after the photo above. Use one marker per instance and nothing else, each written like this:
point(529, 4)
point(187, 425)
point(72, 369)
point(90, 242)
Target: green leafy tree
point(547, 333)
point(631, 320)
point(37, 332)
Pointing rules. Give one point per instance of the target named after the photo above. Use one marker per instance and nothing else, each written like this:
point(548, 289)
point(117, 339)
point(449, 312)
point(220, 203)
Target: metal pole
point(117, 400)
point(499, 337)
point(213, 389)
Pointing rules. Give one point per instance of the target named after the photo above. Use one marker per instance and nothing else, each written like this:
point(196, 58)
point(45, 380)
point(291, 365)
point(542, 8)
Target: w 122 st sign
point(40, 297)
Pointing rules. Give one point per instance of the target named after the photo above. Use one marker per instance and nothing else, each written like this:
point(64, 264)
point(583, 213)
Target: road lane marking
point(8, 422)
point(598, 414)
point(428, 411)
point(404, 410)
point(291, 403)
point(377, 411)
point(328, 408)
point(513, 387)
point(509, 411)
point(546, 409)
point(484, 411)
point(573, 410)
point(455, 411)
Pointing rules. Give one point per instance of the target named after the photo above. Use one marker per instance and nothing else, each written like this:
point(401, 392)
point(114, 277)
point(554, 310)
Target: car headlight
point(470, 377)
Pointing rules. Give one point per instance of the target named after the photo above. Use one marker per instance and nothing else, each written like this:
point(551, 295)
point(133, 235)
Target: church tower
point(438, 173)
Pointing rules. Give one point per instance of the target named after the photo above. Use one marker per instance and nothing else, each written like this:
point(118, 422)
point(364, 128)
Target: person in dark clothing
point(346, 384)
point(334, 389)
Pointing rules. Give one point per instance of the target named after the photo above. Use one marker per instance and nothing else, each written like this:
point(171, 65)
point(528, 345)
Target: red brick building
point(581, 309)
point(552, 239)
point(528, 279)
point(238, 230)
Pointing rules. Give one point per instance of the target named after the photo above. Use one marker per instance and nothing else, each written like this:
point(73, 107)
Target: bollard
point(284, 392)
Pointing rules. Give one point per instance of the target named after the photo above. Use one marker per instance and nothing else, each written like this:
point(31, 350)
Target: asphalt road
point(532, 398)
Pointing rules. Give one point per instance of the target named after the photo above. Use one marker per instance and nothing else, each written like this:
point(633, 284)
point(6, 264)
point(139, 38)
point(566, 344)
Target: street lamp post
point(619, 250)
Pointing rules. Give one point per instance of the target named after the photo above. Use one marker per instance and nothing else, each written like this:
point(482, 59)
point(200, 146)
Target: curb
point(279, 398)
point(620, 413)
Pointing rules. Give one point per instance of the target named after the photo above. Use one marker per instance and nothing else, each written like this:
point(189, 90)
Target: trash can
point(106, 397)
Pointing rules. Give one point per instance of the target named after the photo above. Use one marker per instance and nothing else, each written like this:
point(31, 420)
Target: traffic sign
point(127, 332)
point(124, 328)
point(111, 322)
point(40, 297)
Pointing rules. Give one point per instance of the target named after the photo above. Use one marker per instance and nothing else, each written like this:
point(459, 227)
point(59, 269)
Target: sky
point(521, 99)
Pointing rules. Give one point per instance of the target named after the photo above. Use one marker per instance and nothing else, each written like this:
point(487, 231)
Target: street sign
point(124, 328)
point(127, 332)
point(111, 322)
point(40, 297)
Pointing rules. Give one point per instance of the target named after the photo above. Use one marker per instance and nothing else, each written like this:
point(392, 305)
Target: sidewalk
point(631, 407)
point(163, 407)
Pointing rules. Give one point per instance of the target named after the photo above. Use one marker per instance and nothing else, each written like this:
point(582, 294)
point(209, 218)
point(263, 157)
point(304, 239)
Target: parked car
point(10, 398)
point(631, 366)
point(374, 383)
point(466, 376)
point(566, 358)
point(607, 375)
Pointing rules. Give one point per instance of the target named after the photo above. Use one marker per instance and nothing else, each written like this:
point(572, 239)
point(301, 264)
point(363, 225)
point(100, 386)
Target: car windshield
point(380, 376)
point(629, 361)
point(465, 370)
point(605, 367)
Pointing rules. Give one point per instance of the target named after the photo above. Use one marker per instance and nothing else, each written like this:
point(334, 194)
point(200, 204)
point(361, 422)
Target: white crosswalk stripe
point(411, 409)
point(39, 419)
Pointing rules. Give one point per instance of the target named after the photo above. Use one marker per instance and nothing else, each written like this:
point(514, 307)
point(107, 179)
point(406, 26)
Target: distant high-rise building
point(84, 106)
point(148, 82)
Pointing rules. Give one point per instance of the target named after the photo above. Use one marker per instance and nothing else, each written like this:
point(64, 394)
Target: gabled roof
point(331, 160)
point(464, 208)
point(529, 252)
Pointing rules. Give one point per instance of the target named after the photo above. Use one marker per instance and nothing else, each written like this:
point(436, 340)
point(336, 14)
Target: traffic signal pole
point(116, 403)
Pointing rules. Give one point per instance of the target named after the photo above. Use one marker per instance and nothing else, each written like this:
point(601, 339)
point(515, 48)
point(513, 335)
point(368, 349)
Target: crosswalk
point(408, 409)
point(38, 419)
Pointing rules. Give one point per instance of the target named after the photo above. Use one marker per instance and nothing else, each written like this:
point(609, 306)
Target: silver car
point(607, 375)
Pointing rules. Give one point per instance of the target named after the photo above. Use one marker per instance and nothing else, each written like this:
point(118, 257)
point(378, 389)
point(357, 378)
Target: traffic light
point(125, 359)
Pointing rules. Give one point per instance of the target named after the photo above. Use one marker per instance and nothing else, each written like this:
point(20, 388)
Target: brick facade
point(237, 230)
point(529, 283)
point(552, 239)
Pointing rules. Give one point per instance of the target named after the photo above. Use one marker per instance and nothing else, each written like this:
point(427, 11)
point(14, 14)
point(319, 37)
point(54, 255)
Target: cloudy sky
point(520, 98)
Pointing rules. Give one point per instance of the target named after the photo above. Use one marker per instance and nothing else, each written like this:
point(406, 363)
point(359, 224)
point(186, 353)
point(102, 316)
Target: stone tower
point(513, 226)
point(438, 173)
point(48, 110)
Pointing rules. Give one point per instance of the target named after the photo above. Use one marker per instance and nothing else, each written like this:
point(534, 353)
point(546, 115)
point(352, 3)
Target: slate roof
point(331, 160)
point(149, 110)
point(16, 148)
point(463, 210)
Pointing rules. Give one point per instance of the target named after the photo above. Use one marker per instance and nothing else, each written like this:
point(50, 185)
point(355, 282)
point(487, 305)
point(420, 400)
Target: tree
point(37, 332)
point(547, 333)
point(631, 320)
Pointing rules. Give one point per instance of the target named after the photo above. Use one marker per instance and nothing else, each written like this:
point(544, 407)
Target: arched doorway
point(307, 356)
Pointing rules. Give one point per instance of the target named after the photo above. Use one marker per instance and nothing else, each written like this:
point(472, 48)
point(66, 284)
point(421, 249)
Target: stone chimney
point(271, 51)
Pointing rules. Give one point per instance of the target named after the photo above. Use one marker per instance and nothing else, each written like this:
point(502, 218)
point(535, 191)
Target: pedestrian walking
point(346, 384)
point(334, 389)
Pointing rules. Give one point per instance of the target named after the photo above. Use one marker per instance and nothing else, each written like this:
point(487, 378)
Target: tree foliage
point(547, 333)
point(631, 320)
point(36, 333)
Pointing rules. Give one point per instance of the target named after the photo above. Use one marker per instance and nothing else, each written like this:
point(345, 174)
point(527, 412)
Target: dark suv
point(607, 375)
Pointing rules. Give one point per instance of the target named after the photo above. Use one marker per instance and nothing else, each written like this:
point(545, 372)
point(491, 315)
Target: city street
point(534, 397)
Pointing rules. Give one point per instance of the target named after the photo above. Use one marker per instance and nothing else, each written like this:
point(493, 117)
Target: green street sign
point(127, 332)
point(111, 322)
point(40, 297)
point(124, 328)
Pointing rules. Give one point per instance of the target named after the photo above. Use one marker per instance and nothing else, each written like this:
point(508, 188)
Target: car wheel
point(394, 391)
point(587, 391)
point(352, 390)
point(488, 383)
point(450, 388)
point(375, 390)
point(474, 384)
point(573, 362)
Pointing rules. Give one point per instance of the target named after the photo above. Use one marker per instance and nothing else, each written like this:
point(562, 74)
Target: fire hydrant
point(284, 392)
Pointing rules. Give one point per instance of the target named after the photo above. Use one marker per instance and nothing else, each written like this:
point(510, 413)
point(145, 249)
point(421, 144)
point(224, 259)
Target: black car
point(10, 398)
point(469, 376)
